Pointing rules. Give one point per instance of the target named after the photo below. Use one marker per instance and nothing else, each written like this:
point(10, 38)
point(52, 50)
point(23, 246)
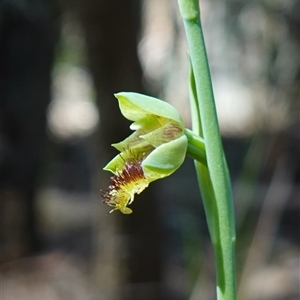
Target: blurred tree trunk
point(28, 35)
point(111, 28)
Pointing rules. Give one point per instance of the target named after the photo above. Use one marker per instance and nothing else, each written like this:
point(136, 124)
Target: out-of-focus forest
point(61, 63)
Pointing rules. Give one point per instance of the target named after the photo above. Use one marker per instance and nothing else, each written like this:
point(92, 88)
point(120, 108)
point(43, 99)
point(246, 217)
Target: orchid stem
point(196, 146)
point(213, 176)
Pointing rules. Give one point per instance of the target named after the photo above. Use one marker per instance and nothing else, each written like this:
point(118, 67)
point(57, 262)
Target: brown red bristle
point(132, 171)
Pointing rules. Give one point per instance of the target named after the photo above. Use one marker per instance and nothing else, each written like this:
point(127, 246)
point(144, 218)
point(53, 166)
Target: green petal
point(133, 142)
point(165, 159)
point(148, 124)
point(136, 106)
point(170, 131)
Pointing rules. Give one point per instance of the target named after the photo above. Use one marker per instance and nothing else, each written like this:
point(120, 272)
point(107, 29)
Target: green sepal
point(136, 106)
point(118, 162)
point(165, 159)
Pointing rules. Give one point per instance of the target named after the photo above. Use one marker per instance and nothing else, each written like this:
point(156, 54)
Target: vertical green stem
point(214, 178)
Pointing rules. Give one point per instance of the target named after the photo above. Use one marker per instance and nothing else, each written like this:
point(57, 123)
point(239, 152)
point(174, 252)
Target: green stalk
point(196, 146)
point(213, 177)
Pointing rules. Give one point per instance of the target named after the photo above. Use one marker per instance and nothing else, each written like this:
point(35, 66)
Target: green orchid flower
point(155, 149)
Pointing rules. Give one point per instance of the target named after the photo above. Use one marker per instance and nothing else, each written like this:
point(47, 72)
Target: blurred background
point(61, 63)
